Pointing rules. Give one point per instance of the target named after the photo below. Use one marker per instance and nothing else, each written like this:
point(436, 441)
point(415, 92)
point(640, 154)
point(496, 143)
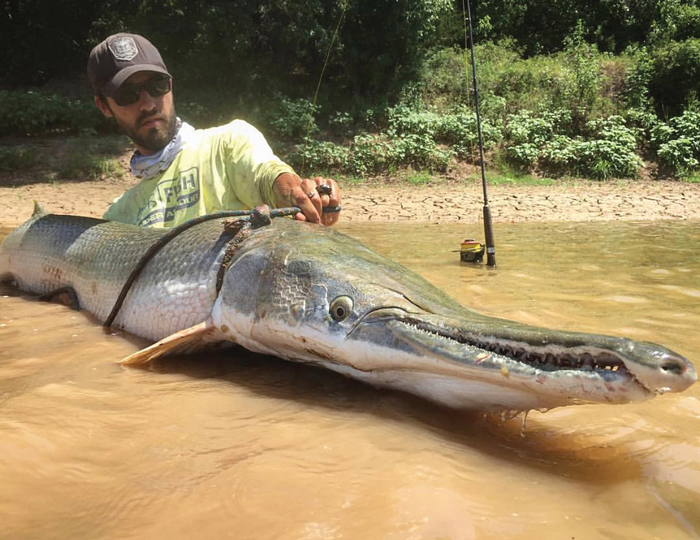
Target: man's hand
point(290, 190)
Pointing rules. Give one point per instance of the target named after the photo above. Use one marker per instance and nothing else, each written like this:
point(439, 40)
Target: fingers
point(290, 190)
point(329, 195)
point(308, 200)
point(310, 188)
point(311, 195)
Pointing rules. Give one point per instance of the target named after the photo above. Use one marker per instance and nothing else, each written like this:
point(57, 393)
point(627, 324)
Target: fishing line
point(344, 6)
point(488, 226)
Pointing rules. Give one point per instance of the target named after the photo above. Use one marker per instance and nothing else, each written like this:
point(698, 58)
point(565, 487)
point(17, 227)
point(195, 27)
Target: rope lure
point(246, 220)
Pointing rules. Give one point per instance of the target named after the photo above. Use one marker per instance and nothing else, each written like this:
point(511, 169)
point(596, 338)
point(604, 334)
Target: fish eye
point(341, 308)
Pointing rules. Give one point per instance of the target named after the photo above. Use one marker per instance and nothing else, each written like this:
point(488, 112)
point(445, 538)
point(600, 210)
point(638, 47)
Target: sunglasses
point(128, 94)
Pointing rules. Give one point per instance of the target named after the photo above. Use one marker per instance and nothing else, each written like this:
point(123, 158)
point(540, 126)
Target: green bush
point(373, 154)
point(606, 149)
point(527, 134)
point(582, 89)
point(34, 113)
point(88, 166)
point(293, 119)
point(580, 79)
point(638, 78)
point(420, 151)
point(675, 78)
point(456, 129)
point(18, 159)
point(677, 142)
point(459, 130)
point(369, 154)
point(320, 156)
point(198, 114)
point(610, 152)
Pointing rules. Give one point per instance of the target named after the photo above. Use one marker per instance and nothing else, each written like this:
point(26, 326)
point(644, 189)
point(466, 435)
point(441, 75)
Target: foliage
point(380, 44)
point(370, 154)
point(675, 77)
point(75, 158)
point(580, 79)
point(582, 87)
point(34, 113)
point(547, 143)
point(250, 51)
point(397, 88)
point(200, 114)
point(609, 152)
point(17, 158)
point(42, 39)
point(541, 26)
point(456, 129)
point(677, 20)
point(677, 142)
point(418, 178)
point(413, 137)
point(528, 134)
point(293, 119)
point(88, 166)
point(637, 79)
point(319, 156)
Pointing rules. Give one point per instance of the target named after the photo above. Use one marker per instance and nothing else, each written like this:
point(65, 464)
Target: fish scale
point(175, 290)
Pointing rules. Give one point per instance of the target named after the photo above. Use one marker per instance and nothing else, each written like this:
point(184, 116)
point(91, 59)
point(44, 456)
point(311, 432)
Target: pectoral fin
point(196, 338)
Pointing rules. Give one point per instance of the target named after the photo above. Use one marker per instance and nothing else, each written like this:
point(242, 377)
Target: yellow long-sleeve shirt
point(229, 167)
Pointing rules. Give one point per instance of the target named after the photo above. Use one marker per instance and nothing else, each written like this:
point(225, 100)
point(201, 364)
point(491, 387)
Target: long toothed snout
point(662, 370)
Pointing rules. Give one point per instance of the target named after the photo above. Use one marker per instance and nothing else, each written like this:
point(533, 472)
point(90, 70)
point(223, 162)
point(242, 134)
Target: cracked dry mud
point(446, 202)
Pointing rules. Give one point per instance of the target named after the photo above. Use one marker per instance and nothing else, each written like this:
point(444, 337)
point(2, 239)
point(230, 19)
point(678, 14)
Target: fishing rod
point(344, 7)
point(488, 226)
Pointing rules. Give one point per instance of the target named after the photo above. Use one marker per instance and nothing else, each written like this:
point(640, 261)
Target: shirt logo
point(124, 49)
point(171, 197)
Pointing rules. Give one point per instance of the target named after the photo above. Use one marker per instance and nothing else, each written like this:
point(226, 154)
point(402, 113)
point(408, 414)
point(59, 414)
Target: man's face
point(150, 122)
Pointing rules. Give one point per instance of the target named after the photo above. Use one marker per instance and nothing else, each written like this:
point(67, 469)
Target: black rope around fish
point(250, 219)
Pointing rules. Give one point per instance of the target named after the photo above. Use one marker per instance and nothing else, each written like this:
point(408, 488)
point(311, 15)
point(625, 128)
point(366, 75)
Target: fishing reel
point(471, 251)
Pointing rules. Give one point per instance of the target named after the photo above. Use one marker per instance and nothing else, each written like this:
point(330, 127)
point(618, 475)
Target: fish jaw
point(515, 346)
point(544, 368)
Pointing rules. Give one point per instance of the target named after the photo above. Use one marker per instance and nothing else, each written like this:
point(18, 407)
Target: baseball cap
point(117, 58)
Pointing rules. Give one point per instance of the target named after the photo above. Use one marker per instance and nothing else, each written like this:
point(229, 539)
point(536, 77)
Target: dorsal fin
point(38, 210)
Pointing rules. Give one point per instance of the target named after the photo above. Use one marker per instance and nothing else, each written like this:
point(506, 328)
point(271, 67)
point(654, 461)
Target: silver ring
point(311, 194)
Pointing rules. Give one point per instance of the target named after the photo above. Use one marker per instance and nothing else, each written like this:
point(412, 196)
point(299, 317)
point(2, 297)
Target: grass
point(89, 166)
point(692, 179)
point(418, 178)
point(78, 158)
point(18, 158)
point(351, 180)
point(521, 180)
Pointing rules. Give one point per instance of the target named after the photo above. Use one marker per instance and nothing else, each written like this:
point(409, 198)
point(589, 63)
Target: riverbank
point(443, 202)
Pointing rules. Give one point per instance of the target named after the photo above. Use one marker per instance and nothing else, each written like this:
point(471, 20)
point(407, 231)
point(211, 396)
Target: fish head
point(310, 294)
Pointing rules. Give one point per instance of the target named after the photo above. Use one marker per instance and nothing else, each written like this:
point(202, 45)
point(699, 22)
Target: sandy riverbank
point(438, 203)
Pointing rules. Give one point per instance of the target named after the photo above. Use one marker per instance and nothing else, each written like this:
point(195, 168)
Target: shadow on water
point(521, 440)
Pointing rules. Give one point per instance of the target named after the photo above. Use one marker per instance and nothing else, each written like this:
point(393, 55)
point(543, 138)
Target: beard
point(157, 137)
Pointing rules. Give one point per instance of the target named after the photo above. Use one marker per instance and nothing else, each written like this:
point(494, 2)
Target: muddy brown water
point(249, 447)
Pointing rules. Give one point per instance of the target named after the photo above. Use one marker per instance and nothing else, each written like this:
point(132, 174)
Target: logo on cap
point(124, 49)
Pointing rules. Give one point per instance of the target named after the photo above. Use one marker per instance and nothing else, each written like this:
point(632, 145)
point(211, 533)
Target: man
point(186, 172)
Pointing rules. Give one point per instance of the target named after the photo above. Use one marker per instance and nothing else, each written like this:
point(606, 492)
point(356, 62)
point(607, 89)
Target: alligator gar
point(309, 294)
